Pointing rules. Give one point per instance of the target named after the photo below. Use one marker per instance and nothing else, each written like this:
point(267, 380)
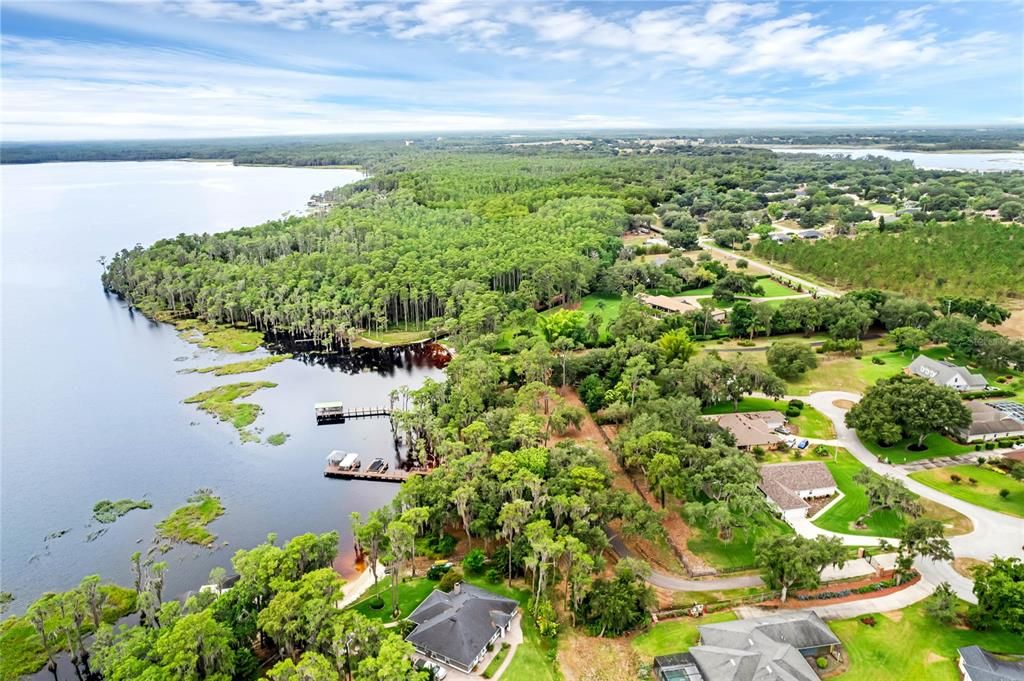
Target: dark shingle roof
point(984, 666)
point(460, 624)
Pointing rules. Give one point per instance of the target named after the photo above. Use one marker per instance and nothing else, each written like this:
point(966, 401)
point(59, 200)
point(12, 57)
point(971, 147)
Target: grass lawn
point(675, 636)
point(985, 493)
point(912, 643)
point(411, 593)
point(773, 289)
point(880, 207)
point(842, 372)
point(936, 446)
point(842, 516)
point(738, 553)
point(496, 661)
point(811, 422)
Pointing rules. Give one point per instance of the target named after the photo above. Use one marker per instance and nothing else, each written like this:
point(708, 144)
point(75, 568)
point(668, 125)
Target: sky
point(217, 68)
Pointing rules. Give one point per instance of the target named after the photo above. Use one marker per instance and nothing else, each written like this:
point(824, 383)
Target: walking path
point(808, 285)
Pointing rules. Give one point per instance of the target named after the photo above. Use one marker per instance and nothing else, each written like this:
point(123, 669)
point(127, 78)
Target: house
point(761, 648)
point(977, 664)
point(780, 237)
point(456, 628)
point(754, 429)
point(787, 486)
point(810, 234)
point(680, 305)
point(989, 422)
point(1015, 455)
point(947, 374)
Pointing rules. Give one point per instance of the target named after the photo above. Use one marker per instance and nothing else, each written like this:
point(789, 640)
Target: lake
point(985, 161)
point(92, 398)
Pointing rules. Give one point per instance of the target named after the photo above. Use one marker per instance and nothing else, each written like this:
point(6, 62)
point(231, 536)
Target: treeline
point(977, 257)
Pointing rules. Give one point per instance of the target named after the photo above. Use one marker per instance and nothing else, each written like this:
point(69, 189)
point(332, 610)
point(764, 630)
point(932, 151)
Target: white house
point(946, 374)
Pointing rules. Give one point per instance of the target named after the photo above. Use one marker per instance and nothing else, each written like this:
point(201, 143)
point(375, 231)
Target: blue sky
point(201, 68)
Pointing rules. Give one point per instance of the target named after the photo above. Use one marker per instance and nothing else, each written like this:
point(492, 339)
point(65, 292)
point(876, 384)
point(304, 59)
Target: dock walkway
point(333, 471)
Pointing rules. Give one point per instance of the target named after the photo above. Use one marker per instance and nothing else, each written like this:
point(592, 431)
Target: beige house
point(788, 486)
point(990, 423)
point(755, 428)
point(678, 305)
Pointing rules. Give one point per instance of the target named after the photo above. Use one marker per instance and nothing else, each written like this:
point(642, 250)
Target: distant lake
point(970, 161)
point(91, 397)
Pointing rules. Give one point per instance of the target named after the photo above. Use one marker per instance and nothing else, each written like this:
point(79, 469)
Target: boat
point(350, 462)
point(377, 466)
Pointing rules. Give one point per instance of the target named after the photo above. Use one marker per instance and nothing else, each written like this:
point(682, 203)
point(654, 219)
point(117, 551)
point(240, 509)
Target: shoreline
point(186, 159)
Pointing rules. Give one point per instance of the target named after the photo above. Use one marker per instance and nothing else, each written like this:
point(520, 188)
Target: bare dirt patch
point(934, 657)
point(842, 404)
point(964, 564)
point(1014, 326)
point(588, 658)
point(894, 615)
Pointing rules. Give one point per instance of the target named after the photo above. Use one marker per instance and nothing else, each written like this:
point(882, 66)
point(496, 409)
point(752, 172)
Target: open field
point(842, 516)
point(738, 553)
point(402, 335)
point(913, 643)
point(843, 372)
point(985, 493)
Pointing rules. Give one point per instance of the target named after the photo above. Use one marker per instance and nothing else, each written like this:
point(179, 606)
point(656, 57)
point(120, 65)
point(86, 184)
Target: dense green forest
point(457, 241)
point(976, 258)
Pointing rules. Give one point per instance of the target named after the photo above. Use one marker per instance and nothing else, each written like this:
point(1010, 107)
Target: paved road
point(808, 285)
point(994, 533)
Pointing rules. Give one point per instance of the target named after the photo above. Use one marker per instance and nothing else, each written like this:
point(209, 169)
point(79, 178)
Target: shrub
point(955, 479)
point(869, 620)
point(972, 481)
point(874, 360)
point(494, 576)
point(474, 562)
point(822, 663)
point(799, 404)
point(977, 448)
point(1004, 493)
point(758, 452)
point(435, 547)
point(438, 570)
point(981, 460)
point(450, 579)
point(990, 445)
point(742, 264)
point(792, 412)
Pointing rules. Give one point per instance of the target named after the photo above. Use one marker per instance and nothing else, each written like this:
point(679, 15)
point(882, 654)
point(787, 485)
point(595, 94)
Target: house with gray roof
point(457, 627)
point(788, 486)
point(977, 664)
point(989, 422)
point(753, 428)
point(946, 374)
point(757, 649)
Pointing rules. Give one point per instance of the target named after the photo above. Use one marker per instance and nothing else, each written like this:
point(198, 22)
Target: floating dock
point(334, 471)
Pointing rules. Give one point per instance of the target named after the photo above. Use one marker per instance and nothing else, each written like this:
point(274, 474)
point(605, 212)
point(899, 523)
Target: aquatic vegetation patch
point(222, 403)
point(221, 337)
point(278, 439)
point(107, 511)
point(188, 523)
point(245, 367)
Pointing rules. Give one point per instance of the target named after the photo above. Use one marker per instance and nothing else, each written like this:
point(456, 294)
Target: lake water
point(969, 161)
point(91, 398)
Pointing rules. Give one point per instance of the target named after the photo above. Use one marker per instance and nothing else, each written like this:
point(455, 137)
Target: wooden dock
point(332, 471)
point(342, 416)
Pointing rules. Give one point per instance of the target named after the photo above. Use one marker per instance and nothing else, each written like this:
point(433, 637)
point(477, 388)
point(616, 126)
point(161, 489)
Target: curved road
point(994, 533)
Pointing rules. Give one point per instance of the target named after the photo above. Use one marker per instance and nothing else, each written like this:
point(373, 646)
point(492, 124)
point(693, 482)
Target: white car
point(439, 672)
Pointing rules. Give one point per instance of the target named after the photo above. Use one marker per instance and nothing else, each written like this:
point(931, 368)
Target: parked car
point(790, 441)
point(802, 444)
point(437, 671)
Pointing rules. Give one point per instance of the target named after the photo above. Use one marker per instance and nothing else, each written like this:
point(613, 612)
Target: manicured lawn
point(411, 593)
point(841, 372)
point(496, 661)
point(703, 291)
point(907, 644)
point(811, 422)
point(675, 636)
point(842, 516)
point(880, 207)
point(738, 553)
point(985, 493)
point(773, 289)
point(936, 446)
